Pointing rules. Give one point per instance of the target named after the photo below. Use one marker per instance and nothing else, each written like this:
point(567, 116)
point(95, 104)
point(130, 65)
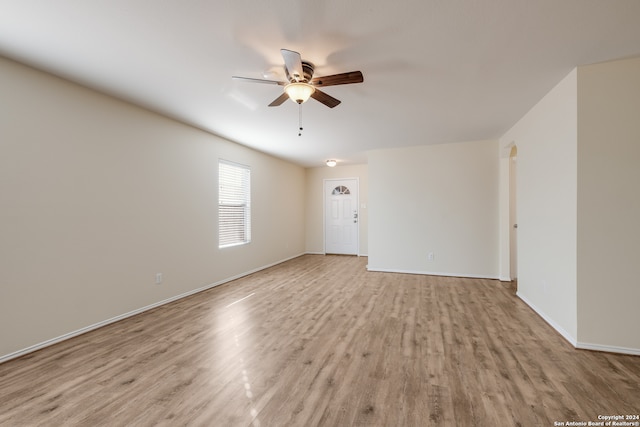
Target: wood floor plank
point(320, 341)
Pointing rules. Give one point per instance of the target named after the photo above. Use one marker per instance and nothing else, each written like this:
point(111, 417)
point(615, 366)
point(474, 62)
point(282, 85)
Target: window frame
point(234, 204)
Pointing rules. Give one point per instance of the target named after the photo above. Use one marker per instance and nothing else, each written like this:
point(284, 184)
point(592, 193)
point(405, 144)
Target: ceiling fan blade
point(338, 79)
point(293, 63)
point(249, 79)
point(327, 100)
point(279, 100)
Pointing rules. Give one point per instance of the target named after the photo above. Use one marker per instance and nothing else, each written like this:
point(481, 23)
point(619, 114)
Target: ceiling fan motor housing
point(307, 73)
point(307, 70)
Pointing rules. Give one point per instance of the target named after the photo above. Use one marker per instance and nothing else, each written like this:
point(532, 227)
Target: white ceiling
point(435, 71)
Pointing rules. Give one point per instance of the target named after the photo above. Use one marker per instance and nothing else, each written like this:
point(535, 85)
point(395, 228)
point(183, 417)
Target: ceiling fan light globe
point(299, 92)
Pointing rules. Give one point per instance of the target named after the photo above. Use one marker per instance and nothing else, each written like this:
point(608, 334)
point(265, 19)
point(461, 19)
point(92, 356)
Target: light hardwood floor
point(318, 340)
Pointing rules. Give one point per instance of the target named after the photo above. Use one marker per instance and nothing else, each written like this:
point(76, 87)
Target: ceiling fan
point(301, 84)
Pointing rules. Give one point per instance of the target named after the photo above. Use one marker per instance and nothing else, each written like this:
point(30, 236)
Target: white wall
point(97, 196)
point(609, 205)
point(438, 198)
point(504, 218)
point(314, 213)
point(546, 139)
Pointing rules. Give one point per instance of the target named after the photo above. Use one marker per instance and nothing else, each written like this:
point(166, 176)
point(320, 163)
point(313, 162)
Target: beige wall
point(438, 198)
point(578, 205)
point(504, 215)
point(609, 205)
point(546, 139)
point(315, 204)
point(97, 196)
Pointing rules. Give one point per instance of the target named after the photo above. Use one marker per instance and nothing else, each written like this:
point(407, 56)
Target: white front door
point(341, 216)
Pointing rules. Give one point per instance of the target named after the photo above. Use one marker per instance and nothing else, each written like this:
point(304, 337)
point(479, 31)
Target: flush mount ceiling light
point(331, 163)
point(299, 92)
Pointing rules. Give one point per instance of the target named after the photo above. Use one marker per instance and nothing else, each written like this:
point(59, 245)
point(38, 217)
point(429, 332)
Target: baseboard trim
point(566, 335)
point(577, 344)
point(608, 348)
point(135, 312)
point(431, 273)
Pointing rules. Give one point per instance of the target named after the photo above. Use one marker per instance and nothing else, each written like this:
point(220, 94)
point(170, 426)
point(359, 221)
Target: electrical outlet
point(431, 257)
point(158, 278)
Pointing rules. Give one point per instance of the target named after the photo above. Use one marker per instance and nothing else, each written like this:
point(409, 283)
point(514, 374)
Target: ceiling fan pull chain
point(300, 120)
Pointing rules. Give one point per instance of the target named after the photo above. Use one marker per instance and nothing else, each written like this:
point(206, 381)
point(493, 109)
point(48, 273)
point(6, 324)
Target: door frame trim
point(324, 212)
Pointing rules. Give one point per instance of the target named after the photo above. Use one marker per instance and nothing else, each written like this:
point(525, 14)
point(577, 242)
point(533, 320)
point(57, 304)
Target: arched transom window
point(339, 190)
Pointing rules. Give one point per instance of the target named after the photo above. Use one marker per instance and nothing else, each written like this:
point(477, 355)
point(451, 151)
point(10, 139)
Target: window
point(234, 204)
point(340, 190)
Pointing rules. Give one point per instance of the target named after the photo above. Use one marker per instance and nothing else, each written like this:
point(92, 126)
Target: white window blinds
point(234, 204)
